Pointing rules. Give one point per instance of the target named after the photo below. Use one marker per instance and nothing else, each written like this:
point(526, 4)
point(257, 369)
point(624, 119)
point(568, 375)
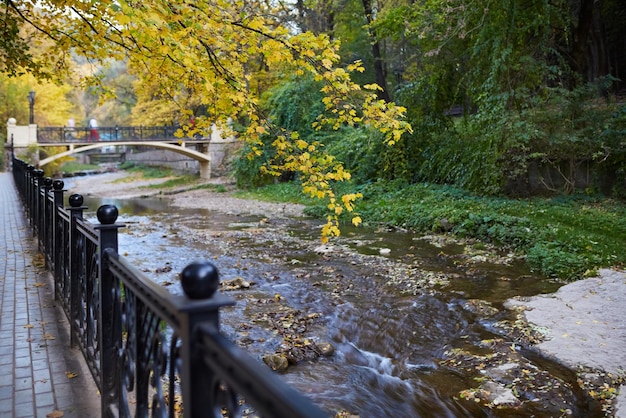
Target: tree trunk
point(581, 36)
point(379, 68)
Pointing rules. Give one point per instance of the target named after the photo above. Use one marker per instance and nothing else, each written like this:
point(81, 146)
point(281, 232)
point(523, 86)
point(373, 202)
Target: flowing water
point(388, 343)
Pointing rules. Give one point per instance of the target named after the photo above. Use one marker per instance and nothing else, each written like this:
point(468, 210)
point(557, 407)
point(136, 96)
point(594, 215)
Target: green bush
point(247, 168)
point(489, 149)
point(293, 105)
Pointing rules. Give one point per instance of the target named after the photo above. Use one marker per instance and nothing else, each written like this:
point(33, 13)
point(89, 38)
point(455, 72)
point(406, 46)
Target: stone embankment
point(584, 325)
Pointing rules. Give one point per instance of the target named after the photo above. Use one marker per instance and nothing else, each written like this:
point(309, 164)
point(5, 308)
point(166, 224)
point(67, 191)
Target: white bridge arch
point(203, 158)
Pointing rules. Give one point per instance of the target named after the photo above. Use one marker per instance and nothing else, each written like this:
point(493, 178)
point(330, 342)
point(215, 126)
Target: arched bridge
point(180, 147)
point(82, 139)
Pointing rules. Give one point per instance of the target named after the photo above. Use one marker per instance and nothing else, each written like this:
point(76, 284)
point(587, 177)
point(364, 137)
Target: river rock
point(497, 394)
point(277, 362)
point(326, 349)
point(502, 371)
point(480, 307)
point(236, 284)
point(446, 225)
point(324, 249)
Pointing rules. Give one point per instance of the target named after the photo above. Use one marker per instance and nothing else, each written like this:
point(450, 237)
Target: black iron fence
point(150, 352)
point(52, 135)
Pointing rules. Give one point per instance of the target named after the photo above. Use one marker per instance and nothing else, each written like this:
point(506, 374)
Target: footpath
point(40, 374)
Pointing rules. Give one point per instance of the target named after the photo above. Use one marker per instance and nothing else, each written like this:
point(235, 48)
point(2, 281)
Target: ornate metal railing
point(150, 352)
point(63, 134)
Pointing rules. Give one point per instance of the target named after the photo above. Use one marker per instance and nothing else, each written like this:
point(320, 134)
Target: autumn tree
point(205, 50)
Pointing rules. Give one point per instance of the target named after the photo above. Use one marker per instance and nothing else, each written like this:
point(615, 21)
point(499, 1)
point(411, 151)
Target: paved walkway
point(40, 375)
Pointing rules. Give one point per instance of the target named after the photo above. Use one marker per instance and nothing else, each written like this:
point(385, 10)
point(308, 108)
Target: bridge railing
point(150, 352)
point(52, 135)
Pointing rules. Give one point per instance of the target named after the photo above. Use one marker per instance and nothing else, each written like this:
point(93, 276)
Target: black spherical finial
point(76, 200)
point(200, 280)
point(107, 214)
point(47, 181)
point(38, 172)
point(58, 185)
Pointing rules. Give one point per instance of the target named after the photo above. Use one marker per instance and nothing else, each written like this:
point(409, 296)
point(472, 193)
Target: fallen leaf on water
point(55, 414)
point(71, 375)
point(49, 337)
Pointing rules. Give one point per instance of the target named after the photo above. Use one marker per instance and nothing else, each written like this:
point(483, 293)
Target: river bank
point(581, 326)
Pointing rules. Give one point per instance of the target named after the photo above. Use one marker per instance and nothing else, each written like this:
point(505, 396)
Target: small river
point(392, 337)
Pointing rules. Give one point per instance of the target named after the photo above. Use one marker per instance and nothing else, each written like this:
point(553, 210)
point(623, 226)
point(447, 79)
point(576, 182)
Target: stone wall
point(221, 153)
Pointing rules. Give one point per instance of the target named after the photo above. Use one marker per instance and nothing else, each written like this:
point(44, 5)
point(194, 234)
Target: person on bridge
point(93, 133)
point(70, 131)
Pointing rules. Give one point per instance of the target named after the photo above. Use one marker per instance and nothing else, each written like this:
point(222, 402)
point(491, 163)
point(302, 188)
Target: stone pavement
point(40, 374)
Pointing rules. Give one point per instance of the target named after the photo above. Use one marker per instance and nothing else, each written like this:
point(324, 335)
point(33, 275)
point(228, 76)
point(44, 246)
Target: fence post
point(109, 334)
point(47, 217)
point(30, 190)
point(37, 219)
point(58, 244)
point(76, 212)
point(199, 281)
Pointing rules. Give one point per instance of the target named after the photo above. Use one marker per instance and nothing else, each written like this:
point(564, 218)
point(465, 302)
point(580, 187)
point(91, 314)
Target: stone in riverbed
point(236, 284)
point(326, 349)
point(498, 394)
point(277, 362)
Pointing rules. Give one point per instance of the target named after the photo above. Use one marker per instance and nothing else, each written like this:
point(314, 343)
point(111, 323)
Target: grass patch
point(129, 179)
point(73, 167)
point(219, 188)
point(145, 171)
point(564, 237)
point(280, 192)
point(173, 182)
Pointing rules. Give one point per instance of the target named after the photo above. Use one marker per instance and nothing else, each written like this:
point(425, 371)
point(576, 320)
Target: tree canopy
point(211, 54)
point(326, 88)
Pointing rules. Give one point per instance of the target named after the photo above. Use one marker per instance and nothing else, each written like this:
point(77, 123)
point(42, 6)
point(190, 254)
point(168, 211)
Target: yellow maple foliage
point(193, 54)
